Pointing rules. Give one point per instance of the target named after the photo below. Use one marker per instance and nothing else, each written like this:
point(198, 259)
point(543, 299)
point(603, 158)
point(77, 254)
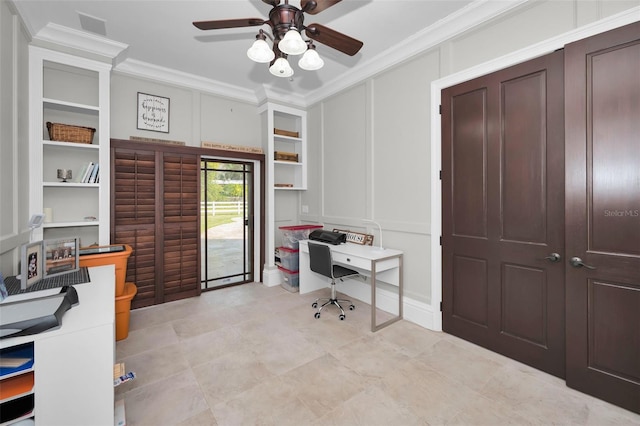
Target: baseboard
point(414, 311)
point(271, 277)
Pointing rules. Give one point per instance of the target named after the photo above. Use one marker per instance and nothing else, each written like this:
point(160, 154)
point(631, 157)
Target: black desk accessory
point(33, 316)
point(330, 237)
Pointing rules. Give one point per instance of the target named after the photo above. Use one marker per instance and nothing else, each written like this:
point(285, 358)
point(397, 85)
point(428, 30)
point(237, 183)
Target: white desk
point(73, 365)
point(385, 264)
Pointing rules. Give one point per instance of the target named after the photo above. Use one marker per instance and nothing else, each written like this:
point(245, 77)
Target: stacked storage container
point(289, 253)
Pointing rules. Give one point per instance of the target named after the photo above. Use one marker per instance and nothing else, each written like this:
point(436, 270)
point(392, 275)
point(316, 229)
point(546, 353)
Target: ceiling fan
point(282, 18)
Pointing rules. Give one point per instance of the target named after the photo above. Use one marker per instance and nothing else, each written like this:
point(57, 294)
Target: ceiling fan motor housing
point(283, 17)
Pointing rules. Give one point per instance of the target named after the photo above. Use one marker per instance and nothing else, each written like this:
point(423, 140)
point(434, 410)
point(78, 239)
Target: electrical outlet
point(305, 209)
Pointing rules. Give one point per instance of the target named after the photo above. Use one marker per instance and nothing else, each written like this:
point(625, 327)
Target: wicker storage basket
point(286, 156)
point(68, 133)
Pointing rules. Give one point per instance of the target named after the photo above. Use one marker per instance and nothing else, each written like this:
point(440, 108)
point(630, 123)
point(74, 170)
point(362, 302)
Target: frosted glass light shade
point(260, 52)
point(311, 61)
point(292, 43)
point(281, 68)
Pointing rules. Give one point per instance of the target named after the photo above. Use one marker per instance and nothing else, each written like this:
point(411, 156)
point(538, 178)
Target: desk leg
point(375, 327)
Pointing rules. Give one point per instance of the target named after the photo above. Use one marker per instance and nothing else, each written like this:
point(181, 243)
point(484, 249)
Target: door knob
point(578, 263)
point(554, 257)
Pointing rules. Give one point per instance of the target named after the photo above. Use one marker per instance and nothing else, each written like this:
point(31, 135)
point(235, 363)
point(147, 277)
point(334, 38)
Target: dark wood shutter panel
point(181, 236)
point(134, 218)
point(134, 188)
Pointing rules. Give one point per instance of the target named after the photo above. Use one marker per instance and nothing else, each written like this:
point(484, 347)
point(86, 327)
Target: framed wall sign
point(153, 113)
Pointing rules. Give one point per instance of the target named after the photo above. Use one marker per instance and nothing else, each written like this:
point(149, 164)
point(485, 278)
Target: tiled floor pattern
point(252, 355)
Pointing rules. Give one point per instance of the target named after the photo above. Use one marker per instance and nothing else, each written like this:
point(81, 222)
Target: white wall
point(14, 139)
point(374, 138)
point(194, 116)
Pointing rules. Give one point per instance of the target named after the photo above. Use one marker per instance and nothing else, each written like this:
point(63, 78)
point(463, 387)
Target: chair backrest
point(320, 259)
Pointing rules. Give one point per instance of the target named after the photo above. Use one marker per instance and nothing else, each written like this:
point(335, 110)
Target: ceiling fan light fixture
point(281, 68)
point(311, 61)
point(260, 51)
point(292, 43)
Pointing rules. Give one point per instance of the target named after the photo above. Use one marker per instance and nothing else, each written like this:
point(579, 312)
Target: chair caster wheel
point(314, 305)
point(317, 315)
point(351, 307)
point(341, 317)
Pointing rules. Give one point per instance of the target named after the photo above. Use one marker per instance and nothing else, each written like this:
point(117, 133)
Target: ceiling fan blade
point(333, 39)
point(313, 7)
point(273, 3)
point(229, 23)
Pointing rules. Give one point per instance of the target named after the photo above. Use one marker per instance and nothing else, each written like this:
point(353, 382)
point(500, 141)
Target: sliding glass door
point(227, 223)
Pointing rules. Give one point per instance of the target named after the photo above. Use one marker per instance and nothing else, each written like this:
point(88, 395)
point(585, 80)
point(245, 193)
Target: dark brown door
point(503, 212)
point(603, 215)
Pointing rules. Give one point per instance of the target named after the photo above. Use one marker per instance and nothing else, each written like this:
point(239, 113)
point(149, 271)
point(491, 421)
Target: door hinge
point(440, 109)
point(440, 239)
point(440, 174)
point(440, 306)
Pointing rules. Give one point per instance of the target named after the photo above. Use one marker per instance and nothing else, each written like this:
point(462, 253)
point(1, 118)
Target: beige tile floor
point(252, 355)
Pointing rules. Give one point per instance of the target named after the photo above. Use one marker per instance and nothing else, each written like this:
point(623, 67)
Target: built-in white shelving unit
point(75, 91)
point(287, 174)
point(286, 132)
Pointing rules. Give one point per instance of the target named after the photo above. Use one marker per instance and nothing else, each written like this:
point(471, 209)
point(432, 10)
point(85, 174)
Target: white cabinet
point(74, 91)
point(69, 380)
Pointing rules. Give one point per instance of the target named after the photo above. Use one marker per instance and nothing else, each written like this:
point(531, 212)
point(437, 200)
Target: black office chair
point(321, 263)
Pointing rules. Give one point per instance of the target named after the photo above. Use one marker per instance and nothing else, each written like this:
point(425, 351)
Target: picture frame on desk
point(61, 256)
point(31, 264)
point(153, 113)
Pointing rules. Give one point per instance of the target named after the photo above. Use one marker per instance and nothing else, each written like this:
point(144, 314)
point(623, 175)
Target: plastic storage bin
point(123, 311)
point(119, 259)
point(289, 258)
point(291, 235)
point(290, 279)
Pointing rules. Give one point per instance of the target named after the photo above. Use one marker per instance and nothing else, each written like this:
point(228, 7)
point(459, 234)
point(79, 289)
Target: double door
point(541, 214)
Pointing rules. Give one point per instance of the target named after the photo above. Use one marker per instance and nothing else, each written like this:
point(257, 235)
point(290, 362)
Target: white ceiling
point(161, 34)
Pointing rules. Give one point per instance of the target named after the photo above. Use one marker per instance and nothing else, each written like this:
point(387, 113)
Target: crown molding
point(269, 94)
point(147, 71)
point(472, 15)
point(65, 37)
point(458, 22)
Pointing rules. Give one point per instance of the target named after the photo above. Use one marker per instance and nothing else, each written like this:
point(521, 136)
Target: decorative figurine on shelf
point(64, 174)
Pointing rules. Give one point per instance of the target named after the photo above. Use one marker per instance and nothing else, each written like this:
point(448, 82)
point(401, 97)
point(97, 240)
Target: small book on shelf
point(94, 173)
point(87, 173)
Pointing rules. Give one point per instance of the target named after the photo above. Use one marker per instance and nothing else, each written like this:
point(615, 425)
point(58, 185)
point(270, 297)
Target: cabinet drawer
point(353, 261)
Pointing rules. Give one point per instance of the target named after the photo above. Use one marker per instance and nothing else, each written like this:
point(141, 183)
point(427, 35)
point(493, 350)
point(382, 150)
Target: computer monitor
point(61, 256)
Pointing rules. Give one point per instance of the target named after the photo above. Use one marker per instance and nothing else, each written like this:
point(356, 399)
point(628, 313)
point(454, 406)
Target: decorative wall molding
point(464, 19)
point(79, 40)
point(147, 71)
